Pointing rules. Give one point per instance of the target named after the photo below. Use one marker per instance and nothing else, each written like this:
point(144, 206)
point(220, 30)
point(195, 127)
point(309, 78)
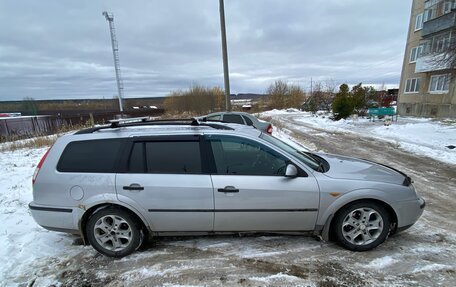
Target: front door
point(251, 192)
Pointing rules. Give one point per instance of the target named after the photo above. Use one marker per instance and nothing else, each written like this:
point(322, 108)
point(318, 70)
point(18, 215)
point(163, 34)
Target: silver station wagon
point(120, 184)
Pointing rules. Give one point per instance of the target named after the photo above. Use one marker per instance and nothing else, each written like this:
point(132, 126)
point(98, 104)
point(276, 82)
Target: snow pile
point(421, 136)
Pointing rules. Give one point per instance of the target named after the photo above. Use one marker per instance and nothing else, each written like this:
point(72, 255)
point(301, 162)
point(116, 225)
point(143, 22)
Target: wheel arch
point(328, 230)
point(92, 210)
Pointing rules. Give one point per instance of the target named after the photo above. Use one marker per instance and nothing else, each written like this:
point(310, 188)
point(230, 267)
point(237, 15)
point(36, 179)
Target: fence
point(30, 126)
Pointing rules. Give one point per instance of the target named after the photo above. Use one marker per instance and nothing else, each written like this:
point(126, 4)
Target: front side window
point(97, 156)
point(304, 157)
point(412, 85)
point(439, 83)
point(240, 156)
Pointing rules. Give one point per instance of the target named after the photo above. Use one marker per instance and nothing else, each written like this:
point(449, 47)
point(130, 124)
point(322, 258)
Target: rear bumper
point(408, 212)
point(54, 218)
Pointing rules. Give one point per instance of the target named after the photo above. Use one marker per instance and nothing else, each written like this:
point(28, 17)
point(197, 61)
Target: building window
point(427, 15)
point(439, 83)
point(447, 6)
point(412, 85)
point(415, 53)
point(419, 22)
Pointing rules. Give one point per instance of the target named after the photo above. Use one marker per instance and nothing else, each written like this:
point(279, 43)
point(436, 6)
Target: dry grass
point(11, 143)
point(39, 142)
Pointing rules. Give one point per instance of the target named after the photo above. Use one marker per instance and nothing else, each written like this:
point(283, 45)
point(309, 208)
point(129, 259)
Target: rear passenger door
point(168, 179)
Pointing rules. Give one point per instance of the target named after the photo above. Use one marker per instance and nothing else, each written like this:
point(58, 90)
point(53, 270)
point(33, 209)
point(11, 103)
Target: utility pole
point(311, 88)
point(115, 52)
point(226, 75)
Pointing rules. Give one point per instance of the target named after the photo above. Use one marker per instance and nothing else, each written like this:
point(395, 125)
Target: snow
point(23, 242)
point(432, 267)
point(421, 136)
point(29, 251)
point(381, 262)
point(276, 277)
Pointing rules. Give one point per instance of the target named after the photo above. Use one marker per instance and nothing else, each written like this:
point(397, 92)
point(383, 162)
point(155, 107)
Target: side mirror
point(291, 171)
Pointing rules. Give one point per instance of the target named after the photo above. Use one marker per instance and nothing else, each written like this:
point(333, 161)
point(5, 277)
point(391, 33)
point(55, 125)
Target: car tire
point(114, 232)
point(362, 226)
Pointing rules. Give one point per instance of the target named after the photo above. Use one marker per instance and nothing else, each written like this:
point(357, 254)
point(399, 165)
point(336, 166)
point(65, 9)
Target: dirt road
point(424, 255)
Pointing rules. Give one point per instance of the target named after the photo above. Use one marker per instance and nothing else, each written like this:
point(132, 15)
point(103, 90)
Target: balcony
point(431, 63)
point(444, 22)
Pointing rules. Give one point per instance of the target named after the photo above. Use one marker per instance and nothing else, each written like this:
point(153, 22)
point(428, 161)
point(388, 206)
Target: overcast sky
point(61, 49)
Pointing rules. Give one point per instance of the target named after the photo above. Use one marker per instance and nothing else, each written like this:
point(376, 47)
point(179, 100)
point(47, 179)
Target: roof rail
point(128, 120)
point(146, 121)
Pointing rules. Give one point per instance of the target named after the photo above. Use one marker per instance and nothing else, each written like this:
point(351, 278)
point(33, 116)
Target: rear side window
point(236, 119)
point(175, 157)
point(214, 118)
point(248, 121)
point(97, 156)
point(137, 161)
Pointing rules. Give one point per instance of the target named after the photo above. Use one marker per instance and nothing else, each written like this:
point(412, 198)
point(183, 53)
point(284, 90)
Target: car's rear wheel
point(113, 232)
point(362, 226)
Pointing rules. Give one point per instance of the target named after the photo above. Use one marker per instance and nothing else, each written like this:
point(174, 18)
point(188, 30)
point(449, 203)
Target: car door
point(251, 192)
point(166, 177)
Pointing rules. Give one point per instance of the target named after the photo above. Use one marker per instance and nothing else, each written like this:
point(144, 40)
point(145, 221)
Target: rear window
point(90, 156)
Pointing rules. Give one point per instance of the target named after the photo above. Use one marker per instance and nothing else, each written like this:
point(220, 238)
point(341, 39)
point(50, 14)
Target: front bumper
point(53, 218)
point(408, 212)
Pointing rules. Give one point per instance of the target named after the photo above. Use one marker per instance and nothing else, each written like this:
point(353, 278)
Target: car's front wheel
point(362, 226)
point(113, 232)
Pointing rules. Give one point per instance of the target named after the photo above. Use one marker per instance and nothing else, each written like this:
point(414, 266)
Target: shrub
point(342, 105)
point(197, 100)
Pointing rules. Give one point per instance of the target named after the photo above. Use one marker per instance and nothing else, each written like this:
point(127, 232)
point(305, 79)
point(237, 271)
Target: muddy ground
point(424, 255)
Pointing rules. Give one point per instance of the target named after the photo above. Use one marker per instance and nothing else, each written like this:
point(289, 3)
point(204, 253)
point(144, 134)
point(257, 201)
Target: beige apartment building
point(427, 85)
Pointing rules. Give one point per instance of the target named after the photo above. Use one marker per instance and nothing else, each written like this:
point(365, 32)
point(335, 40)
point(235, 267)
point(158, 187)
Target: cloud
point(61, 49)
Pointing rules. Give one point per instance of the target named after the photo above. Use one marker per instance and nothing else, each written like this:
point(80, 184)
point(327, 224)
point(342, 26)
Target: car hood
point(357, 169)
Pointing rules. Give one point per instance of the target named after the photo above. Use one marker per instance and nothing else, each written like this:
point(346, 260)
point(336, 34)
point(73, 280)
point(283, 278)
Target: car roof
point(234, 113)
point(104, 131)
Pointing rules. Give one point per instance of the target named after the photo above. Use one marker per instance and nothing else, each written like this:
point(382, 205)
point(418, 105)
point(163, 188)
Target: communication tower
point(115, 52)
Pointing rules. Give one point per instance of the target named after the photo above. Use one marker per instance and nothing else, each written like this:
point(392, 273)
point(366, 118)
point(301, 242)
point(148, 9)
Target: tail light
point(38, 167)
point(269, 129)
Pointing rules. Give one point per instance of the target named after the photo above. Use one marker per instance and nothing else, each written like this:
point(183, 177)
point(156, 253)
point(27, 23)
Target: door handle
point(133, 186)
point(230, 189)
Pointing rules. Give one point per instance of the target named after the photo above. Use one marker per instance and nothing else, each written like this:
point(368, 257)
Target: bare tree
point(283, 95)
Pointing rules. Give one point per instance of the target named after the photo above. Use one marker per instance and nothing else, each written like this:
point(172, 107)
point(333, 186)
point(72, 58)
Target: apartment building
point(428, 83)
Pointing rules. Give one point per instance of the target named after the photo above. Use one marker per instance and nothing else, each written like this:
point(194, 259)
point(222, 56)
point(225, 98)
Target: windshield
point(301, 155)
